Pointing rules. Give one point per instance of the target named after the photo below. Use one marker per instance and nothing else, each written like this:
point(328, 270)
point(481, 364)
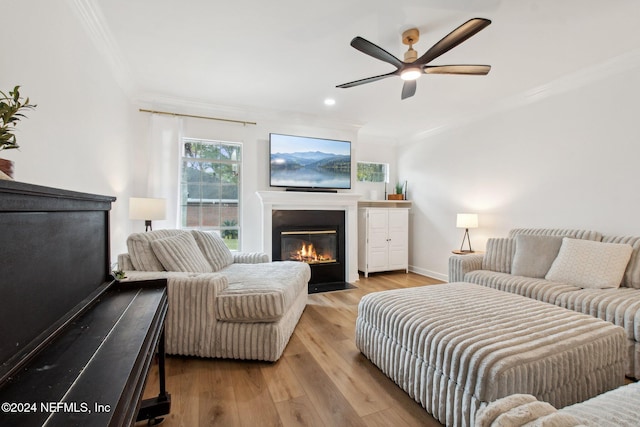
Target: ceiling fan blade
point(367, 80)
point(453, 39)
point(365, 46)
point(408, 89)
point(478, 70)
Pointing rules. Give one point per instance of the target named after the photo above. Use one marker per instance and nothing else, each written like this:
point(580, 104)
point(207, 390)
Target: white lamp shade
point(147, 208)
point(467, 220)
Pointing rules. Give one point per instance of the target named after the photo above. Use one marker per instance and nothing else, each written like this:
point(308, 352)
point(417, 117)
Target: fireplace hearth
point(316, 237)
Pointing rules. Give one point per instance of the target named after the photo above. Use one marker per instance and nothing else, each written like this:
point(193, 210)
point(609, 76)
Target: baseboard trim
point(429, 273)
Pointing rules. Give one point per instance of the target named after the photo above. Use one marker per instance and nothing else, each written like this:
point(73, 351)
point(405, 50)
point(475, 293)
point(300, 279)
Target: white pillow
point(181, 253)
point(139, 246)
point(589, 264)
point(213, 249)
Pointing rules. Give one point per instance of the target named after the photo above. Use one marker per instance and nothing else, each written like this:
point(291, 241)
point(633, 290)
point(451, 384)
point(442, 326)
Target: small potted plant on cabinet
point(11, 106)
point(398, 195)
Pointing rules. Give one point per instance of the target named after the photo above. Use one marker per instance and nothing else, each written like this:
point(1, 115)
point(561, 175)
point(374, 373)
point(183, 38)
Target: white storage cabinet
point(383, 239)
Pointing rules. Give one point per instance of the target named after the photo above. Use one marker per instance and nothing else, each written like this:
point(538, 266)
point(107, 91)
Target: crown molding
point(569, 82)
point(94, 23)
point(242, 113)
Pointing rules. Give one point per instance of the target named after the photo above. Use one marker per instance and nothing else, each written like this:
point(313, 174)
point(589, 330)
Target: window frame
point(386, 171)
point(183, 201)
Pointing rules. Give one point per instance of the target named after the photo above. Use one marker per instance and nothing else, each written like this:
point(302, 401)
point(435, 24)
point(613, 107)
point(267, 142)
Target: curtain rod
point(197, 117)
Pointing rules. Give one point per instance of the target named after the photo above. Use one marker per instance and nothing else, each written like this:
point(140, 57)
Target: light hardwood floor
point(321, 379)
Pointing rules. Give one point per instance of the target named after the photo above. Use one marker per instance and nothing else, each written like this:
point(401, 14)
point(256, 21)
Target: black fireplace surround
point(320, 227)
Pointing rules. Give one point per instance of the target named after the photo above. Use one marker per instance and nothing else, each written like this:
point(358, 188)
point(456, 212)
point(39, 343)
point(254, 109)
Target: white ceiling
point(288, 55)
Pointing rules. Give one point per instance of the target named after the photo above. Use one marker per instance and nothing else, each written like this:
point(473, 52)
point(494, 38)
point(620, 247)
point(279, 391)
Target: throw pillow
point(589, 264)
point(213, 248)
point(139, 247)
point(180, 253)
point(631, 277)
point(498, 254)
point(534, 255)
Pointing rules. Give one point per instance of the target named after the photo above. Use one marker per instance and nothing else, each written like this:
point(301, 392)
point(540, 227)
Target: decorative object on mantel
point(147, 209)
point(10, 115)
point(399, 193)
point(466, 221)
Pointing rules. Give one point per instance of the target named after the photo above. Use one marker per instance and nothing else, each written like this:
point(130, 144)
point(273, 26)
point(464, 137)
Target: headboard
point(54, 262)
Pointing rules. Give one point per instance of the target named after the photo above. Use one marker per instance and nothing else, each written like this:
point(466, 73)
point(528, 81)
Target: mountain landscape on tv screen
point(315, 169)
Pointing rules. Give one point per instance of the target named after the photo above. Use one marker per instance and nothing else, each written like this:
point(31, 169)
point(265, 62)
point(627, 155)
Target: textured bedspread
point(454, 347)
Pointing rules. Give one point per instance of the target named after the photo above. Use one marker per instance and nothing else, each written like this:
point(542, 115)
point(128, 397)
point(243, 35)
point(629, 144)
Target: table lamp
point(147, 209)
point(466, 221)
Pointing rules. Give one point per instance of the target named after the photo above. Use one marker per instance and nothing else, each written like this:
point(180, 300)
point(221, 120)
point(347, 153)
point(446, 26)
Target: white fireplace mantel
point(300, 200)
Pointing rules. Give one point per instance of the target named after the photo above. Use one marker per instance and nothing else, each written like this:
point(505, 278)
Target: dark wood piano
point(75, 345)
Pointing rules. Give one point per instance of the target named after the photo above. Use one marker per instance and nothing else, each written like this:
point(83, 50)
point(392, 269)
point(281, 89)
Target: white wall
point(80, 135)
point(376, 150)
point(569, 160)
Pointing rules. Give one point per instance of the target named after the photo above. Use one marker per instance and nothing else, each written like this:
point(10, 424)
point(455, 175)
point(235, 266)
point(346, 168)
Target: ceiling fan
point(413, 67)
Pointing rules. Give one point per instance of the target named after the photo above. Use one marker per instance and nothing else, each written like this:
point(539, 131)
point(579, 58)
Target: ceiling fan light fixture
point(412, 67)
point(411, 73)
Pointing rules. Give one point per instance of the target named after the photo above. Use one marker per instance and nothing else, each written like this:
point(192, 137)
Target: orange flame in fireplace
point(307, 253)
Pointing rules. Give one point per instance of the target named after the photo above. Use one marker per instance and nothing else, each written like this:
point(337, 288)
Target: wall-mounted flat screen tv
point(314, 163)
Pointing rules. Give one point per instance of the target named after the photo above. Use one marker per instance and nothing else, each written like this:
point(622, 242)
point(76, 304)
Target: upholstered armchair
point(221, 304)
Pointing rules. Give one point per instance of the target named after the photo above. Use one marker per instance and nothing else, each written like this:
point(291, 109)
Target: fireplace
point(316, 237)
point(347, 203)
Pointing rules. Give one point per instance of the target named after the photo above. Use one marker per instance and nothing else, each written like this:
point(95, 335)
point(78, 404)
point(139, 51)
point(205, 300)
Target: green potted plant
point(398, 195)
point(11, 107)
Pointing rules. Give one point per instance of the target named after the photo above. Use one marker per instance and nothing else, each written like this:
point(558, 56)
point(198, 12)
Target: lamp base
point(462, 252)
point(466, 237)
point(147, 225)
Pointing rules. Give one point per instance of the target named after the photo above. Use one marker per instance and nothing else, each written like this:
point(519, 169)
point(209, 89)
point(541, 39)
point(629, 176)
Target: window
point(210, 187)
point(373, 172)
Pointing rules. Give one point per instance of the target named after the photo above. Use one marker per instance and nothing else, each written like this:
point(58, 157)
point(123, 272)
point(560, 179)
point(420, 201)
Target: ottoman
point(455, 347)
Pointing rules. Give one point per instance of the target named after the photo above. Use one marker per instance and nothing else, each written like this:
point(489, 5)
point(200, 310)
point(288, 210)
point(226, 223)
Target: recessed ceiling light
point(329, 101)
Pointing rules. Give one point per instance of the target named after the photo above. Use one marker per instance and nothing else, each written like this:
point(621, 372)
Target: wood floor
point(321, 379)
